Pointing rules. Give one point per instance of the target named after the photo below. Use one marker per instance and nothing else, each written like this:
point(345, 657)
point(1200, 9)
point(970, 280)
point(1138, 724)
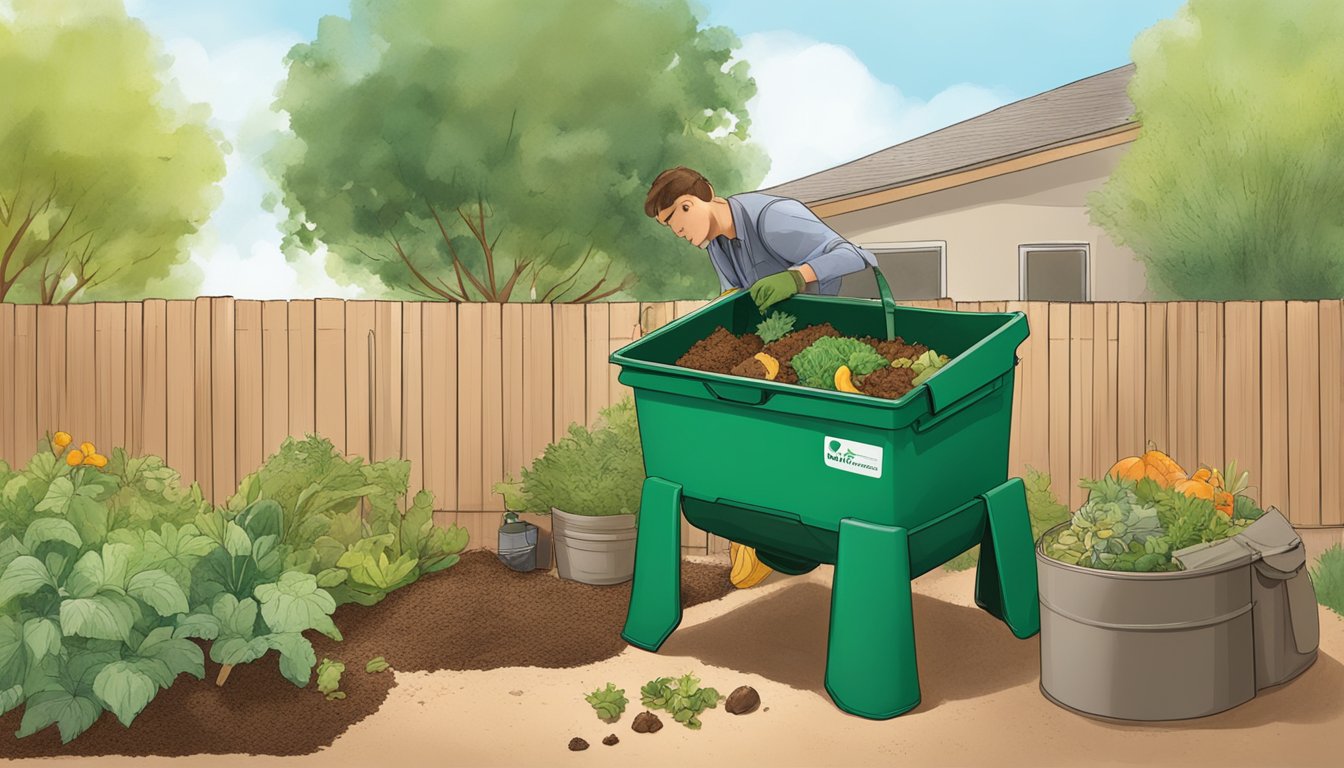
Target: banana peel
point(748, 570)
point(844, 380)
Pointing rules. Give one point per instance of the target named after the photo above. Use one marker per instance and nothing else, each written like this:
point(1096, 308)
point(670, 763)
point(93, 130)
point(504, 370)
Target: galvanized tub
point(1180, 644)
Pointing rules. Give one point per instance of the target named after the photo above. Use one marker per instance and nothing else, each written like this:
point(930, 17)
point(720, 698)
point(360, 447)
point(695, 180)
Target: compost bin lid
point(1271, 539)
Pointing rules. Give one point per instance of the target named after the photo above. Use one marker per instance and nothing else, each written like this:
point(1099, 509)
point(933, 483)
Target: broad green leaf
point(179, 655)
point(295, 603)
point(96, 572)
point(236, 617)
point(379, 572)
point(72, 714)
point(22, 577)
point(434, 566)
point(124, 690)
point(296, 656)
point(10, 698)
point(42, 636)
point(58, 496)
point(331, 577)
point(160, 591)
point(205, 626)
point(46, 529)
point(103, 617)
point(236, 540)
point(262, 518)
point(10, 548)
point(91, 518)
point(416, 524)
point(82, 667)
point(12, 658)
point(238, 650)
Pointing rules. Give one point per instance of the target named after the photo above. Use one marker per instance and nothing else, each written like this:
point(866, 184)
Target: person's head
point(681, 199)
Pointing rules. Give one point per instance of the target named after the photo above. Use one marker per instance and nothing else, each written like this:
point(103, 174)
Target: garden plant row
point(115, 580)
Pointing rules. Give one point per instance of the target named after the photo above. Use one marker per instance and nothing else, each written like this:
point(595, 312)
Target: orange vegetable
point(1196, 488)
point(1153, 464)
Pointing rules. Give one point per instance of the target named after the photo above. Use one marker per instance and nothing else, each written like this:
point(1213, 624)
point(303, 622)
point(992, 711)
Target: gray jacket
point(775, 233)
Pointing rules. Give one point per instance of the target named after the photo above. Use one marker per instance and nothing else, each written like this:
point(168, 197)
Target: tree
point(101, 175)
point(501, 150)
point(1234, 188)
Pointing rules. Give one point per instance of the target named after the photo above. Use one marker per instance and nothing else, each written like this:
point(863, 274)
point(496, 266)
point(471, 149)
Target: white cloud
point(817, 105)
point(238, 250)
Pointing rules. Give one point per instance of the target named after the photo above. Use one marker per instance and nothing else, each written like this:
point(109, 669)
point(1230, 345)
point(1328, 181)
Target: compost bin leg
point(870, 657)
point(1005, 578)
point(655, 595)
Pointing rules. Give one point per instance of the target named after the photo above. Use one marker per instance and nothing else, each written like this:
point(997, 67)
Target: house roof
point(1089, 108)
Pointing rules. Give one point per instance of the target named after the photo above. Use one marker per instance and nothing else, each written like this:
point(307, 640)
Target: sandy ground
point(981, 703)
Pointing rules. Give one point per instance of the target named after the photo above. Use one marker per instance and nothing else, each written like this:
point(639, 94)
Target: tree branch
point(396, 245)
point(458, 266)
point(572, 277)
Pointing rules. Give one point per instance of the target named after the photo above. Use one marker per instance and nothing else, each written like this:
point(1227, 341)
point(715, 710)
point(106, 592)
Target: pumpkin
point(748, 570)
point(771, 365)
point(1199, 489)
point(844, 380)
point(1223, 501)
point(1153, 464)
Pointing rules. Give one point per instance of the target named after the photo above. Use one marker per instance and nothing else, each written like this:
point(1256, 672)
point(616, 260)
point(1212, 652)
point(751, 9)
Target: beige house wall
point(983, 224)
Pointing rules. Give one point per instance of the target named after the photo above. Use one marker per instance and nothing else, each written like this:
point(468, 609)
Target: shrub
point(1328, 578)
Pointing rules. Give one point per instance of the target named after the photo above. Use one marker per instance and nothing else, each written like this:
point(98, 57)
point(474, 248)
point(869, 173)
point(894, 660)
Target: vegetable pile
point(817, 356)
point(1145, 509)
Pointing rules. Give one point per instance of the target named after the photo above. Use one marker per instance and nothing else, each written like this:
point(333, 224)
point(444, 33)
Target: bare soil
point(477, 615)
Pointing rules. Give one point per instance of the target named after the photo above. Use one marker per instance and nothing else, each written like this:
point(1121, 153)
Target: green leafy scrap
point(376, 664)
point(609, 702)
point(683, 698)
point(816, 365)
point(775, 327)
point(329, 679)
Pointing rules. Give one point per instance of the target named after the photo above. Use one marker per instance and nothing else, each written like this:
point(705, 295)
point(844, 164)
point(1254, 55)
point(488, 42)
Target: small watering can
point(518, 543)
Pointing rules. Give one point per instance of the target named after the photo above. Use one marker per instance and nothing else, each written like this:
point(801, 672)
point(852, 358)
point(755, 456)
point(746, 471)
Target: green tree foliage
point(502, 151)
point(1232, 190)
point(101, 173)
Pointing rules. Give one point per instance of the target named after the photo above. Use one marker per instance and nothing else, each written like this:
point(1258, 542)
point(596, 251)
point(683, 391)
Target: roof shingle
point(1093, 106)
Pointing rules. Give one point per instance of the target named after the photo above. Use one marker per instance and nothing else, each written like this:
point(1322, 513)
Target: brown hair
point(672, 184)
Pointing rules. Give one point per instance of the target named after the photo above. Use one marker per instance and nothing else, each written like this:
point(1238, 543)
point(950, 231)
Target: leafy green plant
point(926, 365)
point(775, 327)
point(376, 664)
point(683, 698)
point(591, 472)
point(1112, 529)
point(1328, 579)
point(816, 365)
point(329, 679)
point(609, 702)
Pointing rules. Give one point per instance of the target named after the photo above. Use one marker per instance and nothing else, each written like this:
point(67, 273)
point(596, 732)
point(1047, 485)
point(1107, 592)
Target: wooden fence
point(471, 392)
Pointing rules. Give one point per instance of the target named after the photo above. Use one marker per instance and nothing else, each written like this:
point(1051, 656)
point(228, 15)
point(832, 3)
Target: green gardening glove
point(772, 289)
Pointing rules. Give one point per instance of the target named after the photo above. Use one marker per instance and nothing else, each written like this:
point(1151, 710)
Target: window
point(1054, 272)
point(912, 270)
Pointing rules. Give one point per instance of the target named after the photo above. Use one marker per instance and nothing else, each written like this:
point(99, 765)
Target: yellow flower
point(96, 460)
point(61, 439)
point(87, 448)
point(74, 458)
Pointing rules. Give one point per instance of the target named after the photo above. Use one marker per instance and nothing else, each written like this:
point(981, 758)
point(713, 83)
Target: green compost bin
point(885, 490)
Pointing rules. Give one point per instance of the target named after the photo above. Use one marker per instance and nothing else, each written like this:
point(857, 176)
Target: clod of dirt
point(743, 700)
point(895, 348)
point(767, 709)
point(647, 722)
point(515, 693)
point(751, 368)
point(577, 745)
point(784, 349)
point(611, 740)
point(889, 383)
point(721, 351)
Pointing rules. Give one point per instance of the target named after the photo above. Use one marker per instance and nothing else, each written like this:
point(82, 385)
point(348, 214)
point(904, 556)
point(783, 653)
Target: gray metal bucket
point(518, 545)
point(1182, 644)
point(594, 549)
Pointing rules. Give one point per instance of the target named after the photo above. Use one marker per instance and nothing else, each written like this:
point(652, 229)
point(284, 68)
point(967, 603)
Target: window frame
point(1024, 248)
point(914, 246)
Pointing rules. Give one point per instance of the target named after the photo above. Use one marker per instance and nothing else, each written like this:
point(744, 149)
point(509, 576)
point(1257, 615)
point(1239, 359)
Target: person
point(773, 246)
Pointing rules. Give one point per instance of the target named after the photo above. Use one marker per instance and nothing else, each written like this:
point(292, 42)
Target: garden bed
point(476, 615)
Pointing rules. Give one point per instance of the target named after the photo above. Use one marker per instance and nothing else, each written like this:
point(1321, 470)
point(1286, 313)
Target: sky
point(836, 80)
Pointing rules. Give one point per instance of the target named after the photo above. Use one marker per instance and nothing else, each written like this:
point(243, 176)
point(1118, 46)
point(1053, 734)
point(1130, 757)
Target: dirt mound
point(721, 351)
point(478, 614)
point(889, 383)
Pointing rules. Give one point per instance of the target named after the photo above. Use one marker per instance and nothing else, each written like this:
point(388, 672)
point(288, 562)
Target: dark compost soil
point(722, 352)
point(476, 615)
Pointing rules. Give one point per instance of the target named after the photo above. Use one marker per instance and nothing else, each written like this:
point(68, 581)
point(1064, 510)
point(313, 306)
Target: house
point(993, 208)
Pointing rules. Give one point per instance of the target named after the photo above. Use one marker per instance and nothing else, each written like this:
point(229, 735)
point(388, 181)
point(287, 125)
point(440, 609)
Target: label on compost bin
point(859, 458)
